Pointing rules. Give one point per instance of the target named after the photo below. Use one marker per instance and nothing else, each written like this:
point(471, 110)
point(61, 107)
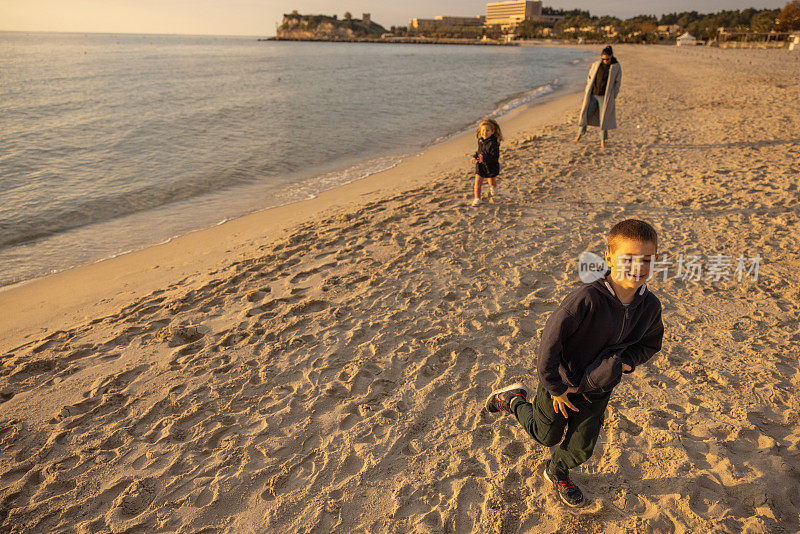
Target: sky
point(261, 17)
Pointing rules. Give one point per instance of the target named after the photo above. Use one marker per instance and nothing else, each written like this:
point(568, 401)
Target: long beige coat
point(608, 112)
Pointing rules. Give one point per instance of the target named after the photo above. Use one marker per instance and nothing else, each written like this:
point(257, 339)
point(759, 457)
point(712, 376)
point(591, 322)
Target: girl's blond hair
point(495, 128)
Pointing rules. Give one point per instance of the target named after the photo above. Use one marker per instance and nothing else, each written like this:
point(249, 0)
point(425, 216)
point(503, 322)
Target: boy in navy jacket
point(600, 331)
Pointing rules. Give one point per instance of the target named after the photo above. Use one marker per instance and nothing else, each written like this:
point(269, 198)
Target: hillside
point(323, 27)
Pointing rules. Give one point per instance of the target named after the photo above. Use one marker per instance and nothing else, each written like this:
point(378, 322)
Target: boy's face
point(486, 130)
point(630, 262)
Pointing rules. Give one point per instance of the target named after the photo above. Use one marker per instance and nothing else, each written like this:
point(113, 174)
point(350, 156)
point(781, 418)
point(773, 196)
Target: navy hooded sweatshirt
point(588, 338)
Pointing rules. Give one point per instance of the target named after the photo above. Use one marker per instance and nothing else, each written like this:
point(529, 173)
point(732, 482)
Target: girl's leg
point(493, 182)
point(478, 184)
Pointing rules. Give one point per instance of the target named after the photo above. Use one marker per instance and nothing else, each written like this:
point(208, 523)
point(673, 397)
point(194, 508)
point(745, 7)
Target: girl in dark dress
point(487, 158)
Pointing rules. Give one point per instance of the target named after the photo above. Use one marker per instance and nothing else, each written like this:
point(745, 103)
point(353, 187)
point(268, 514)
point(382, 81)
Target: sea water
point(109, 143)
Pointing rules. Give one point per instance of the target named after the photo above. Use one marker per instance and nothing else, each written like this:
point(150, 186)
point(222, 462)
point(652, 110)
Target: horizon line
point(73, 32)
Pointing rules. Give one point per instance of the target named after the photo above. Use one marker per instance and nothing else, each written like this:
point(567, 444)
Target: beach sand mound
point(333, 380)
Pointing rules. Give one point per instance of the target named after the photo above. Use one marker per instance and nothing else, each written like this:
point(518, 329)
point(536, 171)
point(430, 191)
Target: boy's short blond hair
point(632, 229)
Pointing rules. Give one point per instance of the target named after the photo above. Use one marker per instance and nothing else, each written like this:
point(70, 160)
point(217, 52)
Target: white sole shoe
point(493, 406)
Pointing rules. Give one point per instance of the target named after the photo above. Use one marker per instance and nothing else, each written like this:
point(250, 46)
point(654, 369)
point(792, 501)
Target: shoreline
point(396, 40)
point(75, 294)
point(77, 243)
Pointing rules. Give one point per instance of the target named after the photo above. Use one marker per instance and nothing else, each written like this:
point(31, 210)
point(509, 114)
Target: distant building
point(462, 21)
point(549, 20)
point(366, 18)
point(686, 40)
point(669, 29)
point(609, 31)
point(445, 22)
point(582, 29)
point(421, 24)
point(506, 14)
point(509, 14)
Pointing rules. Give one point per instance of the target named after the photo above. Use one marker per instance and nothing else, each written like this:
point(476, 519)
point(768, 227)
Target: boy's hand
point(474, 161)
point(480, 158)
point(626, 367)
point(561, 403)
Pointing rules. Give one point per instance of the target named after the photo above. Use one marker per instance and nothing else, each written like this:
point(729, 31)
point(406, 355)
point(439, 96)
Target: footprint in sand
point(137, 497)
point(34, 368)
point(182, 334)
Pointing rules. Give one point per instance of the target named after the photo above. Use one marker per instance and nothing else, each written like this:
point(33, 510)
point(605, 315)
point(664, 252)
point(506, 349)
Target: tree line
point(645, 27)
point(641, 28)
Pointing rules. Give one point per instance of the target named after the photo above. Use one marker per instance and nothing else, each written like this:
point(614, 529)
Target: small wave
point(367, 168)
point(12, 282)
point(514, 103)
point(118, 254)
point(61, 218)
point(296, 192)
point(503, 107)
point(311, 187)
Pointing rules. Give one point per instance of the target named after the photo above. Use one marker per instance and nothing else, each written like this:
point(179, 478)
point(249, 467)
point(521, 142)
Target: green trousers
point(546, 426)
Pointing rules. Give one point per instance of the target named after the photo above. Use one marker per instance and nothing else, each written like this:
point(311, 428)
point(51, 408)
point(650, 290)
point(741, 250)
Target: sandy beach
point(322, 367)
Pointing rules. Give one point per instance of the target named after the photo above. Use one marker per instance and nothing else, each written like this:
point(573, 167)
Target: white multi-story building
point(461, 21)
point(444, 22)
point(511, 13)
point(421, 24)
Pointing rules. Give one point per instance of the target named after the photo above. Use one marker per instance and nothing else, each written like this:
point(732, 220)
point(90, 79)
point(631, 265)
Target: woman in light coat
point(599, 100)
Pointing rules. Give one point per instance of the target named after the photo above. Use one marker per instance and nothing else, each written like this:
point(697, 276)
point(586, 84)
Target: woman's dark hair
point(608, 51)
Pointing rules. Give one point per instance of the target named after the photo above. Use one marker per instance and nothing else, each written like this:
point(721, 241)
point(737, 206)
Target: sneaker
point(500, 400)
point(476, 202)
point(568, 492)
point(492, 191)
